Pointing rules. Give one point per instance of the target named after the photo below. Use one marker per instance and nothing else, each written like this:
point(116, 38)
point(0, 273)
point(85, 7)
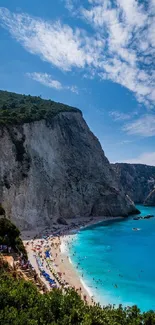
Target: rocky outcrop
point(150, 200)
point(57, 168)
point(137, 180)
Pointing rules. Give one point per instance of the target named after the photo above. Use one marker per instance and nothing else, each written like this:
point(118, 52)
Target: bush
point(19, 109)
point(9, 235)
point(22, 304)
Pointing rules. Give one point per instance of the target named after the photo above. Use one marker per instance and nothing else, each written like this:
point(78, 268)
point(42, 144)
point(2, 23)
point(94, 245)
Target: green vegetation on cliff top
point(19, 109)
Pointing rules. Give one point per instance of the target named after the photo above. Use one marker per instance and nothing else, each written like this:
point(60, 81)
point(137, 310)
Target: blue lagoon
point(116, 263)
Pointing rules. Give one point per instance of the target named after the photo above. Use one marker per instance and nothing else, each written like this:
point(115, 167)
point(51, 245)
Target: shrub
point(9, 235)
point(19, 109)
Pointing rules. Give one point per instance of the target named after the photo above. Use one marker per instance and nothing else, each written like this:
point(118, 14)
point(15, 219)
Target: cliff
point(150, 200)
point(137, 180)
point(56, 167)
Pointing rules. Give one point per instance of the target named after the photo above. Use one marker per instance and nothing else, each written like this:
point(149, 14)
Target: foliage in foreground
point(22, 304)
point(19, 109)
point(10, 236)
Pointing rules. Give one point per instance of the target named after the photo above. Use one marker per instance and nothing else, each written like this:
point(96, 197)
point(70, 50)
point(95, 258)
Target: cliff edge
point(56, 167)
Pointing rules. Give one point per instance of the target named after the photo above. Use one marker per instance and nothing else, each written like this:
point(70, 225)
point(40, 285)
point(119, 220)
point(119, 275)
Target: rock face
point(56, 169)
point(137, 180)
point(150, 200)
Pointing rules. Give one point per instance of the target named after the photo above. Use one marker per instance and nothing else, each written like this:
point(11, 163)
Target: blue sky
point(97, 55)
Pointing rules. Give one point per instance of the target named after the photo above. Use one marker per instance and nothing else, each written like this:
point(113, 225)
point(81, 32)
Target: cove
point(116, 263)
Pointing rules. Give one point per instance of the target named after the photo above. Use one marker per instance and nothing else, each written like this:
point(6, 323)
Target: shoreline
point(60, 263)
point(65, 241)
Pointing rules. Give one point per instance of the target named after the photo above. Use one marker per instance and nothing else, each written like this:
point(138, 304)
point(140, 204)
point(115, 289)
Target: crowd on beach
point(46, 260)
point(50, 266)
point(53, 266)
point(50, 259)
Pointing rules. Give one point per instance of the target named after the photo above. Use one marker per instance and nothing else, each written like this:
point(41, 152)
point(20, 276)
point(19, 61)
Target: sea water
point(117, 264)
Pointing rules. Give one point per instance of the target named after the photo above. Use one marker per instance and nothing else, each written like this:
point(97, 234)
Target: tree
point(9, 235)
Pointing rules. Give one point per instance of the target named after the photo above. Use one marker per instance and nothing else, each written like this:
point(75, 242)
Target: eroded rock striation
point(55, 168)
point(137, 180)
point(150, 200)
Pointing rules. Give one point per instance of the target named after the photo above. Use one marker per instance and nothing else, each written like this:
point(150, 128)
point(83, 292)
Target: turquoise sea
point(116, 263)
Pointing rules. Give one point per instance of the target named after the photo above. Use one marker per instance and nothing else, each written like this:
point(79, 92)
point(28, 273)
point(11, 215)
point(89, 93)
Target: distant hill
point(19, 109)
point(137, 180)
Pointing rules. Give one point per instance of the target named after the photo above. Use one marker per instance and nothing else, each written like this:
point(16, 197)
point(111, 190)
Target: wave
point(63, 247)
point(66, 243)
point(70, 261)
point(92, 292)
point(86, 287)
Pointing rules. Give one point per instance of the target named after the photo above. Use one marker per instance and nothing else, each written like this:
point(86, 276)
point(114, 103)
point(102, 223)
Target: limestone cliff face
point(150, 200)
point(56, 168)
point(137, 180)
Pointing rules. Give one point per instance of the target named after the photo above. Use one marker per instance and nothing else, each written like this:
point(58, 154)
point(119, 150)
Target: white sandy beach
point(58, 266)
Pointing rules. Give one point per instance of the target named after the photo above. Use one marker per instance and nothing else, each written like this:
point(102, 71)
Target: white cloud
point(54, 42)
point(47, 80)
point(144, 126)
point(74, 89)
point(120, 48)
point(124, 142)
point(118, 116)
point(147, 158)
point(72, 6)
point(133, 14)
point(128, 29)
point(69, 5)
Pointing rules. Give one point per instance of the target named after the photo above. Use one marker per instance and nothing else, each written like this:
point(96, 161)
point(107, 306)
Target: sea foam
point(86, 287)
point(63, 247)
point(66, 243)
